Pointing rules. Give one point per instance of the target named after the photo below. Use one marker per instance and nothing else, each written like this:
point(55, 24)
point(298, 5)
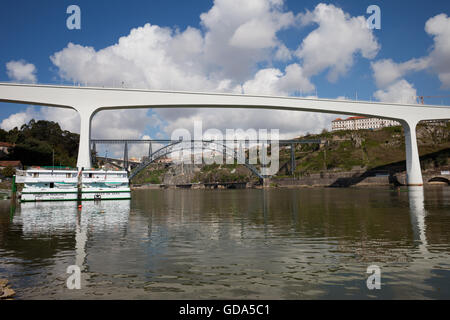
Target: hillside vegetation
point(370, 150)
point(382, 150)
point(37, 142)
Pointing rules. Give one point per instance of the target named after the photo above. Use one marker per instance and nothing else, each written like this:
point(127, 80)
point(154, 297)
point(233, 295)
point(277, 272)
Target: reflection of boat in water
point(38, 218)
point(62, 185)
point(61, 219)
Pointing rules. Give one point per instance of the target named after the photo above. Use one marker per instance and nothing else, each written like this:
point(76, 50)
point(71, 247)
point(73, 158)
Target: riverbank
point(356, 178)
point(321, 180)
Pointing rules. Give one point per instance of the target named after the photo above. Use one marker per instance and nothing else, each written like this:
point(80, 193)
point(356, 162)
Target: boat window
point(68, 175)
point(90, 175)
point(36, 175)
point(52, 185)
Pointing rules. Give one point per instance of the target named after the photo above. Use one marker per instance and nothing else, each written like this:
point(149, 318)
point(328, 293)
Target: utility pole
point(292, 159)
point(53, 159)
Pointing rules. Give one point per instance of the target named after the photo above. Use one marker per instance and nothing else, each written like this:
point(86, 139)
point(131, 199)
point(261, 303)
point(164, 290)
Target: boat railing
point(21, 173)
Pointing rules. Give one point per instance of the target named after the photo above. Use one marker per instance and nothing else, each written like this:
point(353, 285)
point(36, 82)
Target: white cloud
point(237, 37)
point(290, 123)
point(17, 119)
point(399, 92)
point(21, 71)
point(283, 53)
point(274, 82)
point(68, 119)
point(439, 28)
point(241, 34)
point(123, 124)
point(225, 55)
point(335, 43)
point(386, 72)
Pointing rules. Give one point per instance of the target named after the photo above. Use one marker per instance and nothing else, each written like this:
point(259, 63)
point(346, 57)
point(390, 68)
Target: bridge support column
point(84, 153)
point(266, 182)
point(292, 159)
point(413, 169)
point(125, 157)
point(94, 154)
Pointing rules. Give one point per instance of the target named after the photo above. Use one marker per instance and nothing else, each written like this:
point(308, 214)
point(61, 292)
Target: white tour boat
point(46, 184)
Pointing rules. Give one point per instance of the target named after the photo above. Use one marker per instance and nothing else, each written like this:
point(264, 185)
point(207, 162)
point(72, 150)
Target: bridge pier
point(413, 169)
point(84, 156)
point(125, 157)
point(84, 151)
point(150, 150)
point(266, 182)
point(292, 159)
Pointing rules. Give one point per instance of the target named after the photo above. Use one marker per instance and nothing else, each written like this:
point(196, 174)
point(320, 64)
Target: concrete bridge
point(89, 101)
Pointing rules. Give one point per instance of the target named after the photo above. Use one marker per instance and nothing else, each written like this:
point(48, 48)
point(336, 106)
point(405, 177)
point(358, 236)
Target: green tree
point(43, 143)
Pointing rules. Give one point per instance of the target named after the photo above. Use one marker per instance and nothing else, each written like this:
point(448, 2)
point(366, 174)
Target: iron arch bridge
point(183, 145)
point(179, 145)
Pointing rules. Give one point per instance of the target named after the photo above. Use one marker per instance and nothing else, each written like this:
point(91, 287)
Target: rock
point(5, 291)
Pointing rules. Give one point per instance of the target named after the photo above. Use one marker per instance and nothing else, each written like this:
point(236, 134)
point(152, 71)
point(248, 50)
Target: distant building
point(4, 146)
point(362, 123)
point(441, 123)
point(136, 160)
point(165, 160)
point(160, 160)
point(13, 164)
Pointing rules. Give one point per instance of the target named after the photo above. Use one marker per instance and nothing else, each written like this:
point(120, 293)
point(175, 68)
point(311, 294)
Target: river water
point(233, 244)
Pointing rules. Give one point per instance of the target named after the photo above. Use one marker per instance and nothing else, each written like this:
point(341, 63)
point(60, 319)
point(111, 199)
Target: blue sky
point(33, 31)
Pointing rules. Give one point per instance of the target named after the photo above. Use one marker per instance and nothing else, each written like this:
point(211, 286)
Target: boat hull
point(62, 185)
point(73, 196)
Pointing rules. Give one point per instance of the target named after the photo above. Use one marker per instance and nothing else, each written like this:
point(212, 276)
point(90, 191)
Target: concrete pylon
point(125, 156)
point(84, 155)
point(150, 150)
point(413, 169)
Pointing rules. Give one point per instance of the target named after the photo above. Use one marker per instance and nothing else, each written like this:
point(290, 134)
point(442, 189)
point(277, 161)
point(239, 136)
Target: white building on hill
point(362, 123)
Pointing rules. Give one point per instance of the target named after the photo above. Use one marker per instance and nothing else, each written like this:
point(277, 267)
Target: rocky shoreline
point(322, 180)
point(5, 291)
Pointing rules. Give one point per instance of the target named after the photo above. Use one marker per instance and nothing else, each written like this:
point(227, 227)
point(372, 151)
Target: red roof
point(10, 163)
point(351, 118)
point(356, 118)
point(6, 144)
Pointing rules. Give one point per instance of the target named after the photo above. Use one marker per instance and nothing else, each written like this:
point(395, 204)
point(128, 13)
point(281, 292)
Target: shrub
point(8, 172)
